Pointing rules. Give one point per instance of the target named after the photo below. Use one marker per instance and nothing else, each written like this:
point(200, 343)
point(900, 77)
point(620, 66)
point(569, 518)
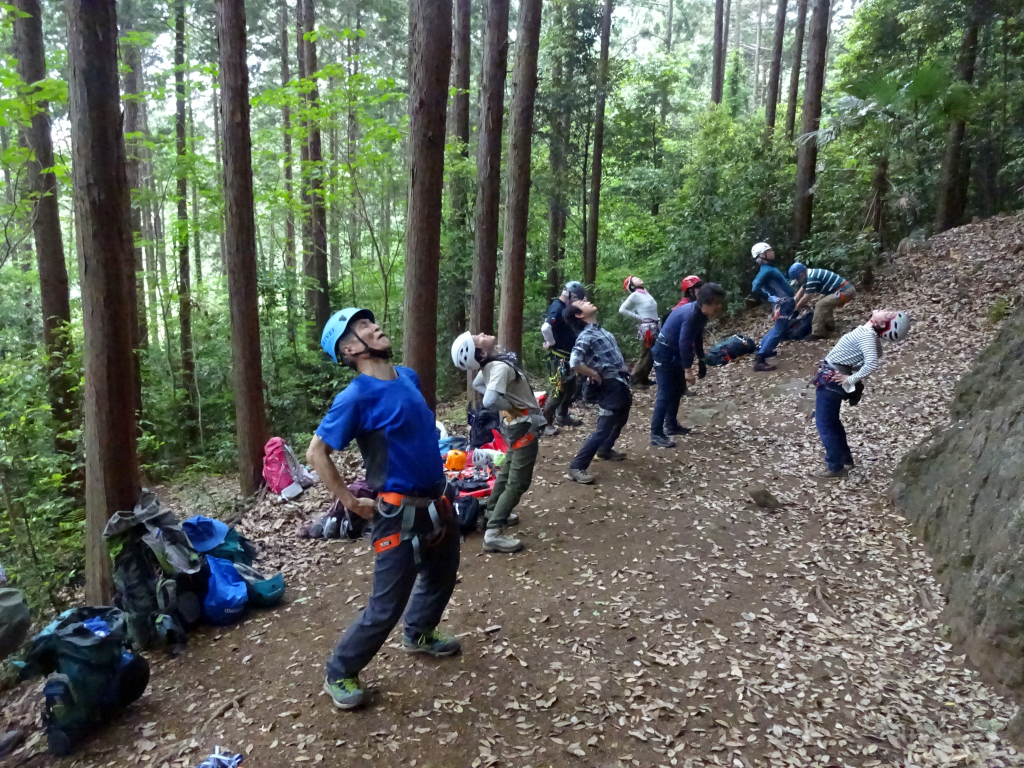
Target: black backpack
point(467, 509)
point(481, 425)
point(729, 349)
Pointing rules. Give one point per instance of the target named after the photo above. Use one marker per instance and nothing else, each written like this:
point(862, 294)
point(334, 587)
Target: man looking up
point(559, 339)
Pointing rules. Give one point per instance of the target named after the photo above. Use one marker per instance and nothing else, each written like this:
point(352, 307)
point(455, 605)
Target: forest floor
point(656, 618)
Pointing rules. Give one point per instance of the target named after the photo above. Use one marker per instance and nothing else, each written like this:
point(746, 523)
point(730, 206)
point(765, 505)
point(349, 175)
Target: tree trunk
point(240, 239)
point(794, 76)
point(305, 221)
point(590, 255)
point(104, 235)
point(757, 53)
point(488, 167)
point(333, 214)
point(289, 216)
point(557, 158)
point(517, 208)
point(775, 74)
point(188, 370)
point(879, 187)
point(949, 209)
point(196, 233)
point(351, 142)
point(53, 274)
point(717, 56)
point(220, 171)
point(319, 292)
point(807, 153)
point(462, 54)
point(430, 61)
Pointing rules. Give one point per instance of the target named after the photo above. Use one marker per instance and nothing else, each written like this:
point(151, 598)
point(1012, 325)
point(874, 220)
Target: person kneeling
point(505, 387)
point(840, 377)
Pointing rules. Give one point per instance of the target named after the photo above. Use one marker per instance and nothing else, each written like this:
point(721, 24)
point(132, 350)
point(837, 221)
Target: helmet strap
point(379, 354)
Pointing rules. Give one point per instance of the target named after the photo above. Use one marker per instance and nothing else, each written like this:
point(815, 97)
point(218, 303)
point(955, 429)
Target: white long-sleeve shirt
point(640, 305)
point(861, 349)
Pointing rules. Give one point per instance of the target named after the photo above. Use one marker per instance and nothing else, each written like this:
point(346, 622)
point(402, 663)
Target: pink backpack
point(281, 469)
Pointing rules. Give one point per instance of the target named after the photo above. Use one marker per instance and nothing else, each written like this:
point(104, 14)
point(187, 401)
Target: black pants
point(668, 369)
point(614, 401)
point(564, 393)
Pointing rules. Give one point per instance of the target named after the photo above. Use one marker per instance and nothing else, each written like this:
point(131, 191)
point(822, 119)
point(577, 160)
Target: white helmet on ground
point(464, 352)
point(759, 249)
point(898, 328)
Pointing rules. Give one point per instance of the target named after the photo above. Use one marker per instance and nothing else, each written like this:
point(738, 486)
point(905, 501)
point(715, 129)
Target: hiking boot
point(496, 541)
point(550, 430)
point(660, 441)
point(581, 476)
point(611, 455)
point(346, 692)
point(568, 421)
point(677, 430)
point(832, 474)
point(760, 366)
point(432, 642)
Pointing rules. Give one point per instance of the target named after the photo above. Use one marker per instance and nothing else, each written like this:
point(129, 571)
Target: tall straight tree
point(775, 74)
point(104, 236)
point(188, 367)
point(807, 152)
point(289, 216)
point(590, 255)
point(53, 273)
point(757, 53)
point(318, 284)
point(718, 54)
point(794, 75)
point(560, 121)
point(950, 202)
point(304, 174)
point(488, 167)
point(517, 207)
point(430, 61)
point(240, 239)
point(462, 57)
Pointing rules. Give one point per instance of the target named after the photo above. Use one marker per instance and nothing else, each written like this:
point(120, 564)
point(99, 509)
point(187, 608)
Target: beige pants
point(824, 322)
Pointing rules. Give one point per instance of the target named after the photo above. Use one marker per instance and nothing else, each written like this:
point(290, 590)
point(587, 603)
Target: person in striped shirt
point(833, 289)
point(840, 377)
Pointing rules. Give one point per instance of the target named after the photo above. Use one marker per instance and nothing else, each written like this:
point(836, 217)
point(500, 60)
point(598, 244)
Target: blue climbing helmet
point(338, 325)
point(796, 270)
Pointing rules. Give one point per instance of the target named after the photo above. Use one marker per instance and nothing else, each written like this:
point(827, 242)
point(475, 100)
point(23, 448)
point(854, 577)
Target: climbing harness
point(524, 441)
point(440, 513)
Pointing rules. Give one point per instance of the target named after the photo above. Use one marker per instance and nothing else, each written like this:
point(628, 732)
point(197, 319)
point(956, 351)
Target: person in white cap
point(770, 282)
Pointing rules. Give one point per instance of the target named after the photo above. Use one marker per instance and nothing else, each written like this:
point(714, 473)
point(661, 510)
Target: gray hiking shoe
point(660, 441)
point(513, 520)
point(832, 474)
point(346, 692)
point(581, 476)
point(496, 541)
point(611, 455)
point(550, 430)
point(433, 643)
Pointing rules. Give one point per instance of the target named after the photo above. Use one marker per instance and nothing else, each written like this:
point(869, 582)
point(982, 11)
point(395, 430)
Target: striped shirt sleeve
point(858, 349)
point(823, 281)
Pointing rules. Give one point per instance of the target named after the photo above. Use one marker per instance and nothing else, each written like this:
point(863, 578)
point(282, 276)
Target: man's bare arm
point(319, 456)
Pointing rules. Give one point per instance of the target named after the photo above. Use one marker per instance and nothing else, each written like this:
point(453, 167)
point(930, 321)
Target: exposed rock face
point(963, 491)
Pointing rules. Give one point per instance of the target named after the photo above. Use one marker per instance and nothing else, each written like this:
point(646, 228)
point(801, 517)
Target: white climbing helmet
point(464, 352)
point(759, 249)
point(898, 328)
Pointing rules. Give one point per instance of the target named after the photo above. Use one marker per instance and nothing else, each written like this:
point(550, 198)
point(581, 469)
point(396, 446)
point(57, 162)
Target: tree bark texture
point(517, 207)
point(558, 159)
point(775, 73)
point(220, 170)
point(462, 55)
point(590, 255)
point(305, 220)
point(430, 61)
point(807, 153)
point(794, 76)
point(488, 167)
point(240, 239)
point(717, 57)
point(757, 53)
point(104, 235)
point(53, 274)
point(289, 216)
point(318, 296)
point(949, 206)
point(188, 368)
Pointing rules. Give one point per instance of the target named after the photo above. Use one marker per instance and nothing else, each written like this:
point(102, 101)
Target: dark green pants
point(514, 478)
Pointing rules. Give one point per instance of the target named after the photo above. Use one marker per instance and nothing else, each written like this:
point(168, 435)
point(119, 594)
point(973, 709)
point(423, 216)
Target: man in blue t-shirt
point(414, 531)
point(771, 283)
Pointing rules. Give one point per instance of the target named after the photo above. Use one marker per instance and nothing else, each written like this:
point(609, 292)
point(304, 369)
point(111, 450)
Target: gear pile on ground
point(658, 617)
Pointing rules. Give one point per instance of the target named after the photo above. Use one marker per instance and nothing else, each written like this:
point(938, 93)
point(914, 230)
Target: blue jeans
point(671, 384)
point(780, 330)
point(828, 401)
point(394, 577)
point(614, 403)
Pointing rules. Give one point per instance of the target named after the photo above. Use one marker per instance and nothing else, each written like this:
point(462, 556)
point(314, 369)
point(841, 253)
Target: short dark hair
point(710, 293)
point(571, 316)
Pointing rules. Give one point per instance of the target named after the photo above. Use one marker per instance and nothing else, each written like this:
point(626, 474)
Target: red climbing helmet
point(690, 282)
point(627, 284)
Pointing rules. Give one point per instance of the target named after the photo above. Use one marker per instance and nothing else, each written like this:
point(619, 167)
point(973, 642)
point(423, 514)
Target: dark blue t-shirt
point(565, 337)
point(395, 432)
point(683, 332)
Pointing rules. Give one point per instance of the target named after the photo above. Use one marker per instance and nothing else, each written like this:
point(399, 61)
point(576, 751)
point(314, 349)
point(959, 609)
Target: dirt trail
point(657, 618)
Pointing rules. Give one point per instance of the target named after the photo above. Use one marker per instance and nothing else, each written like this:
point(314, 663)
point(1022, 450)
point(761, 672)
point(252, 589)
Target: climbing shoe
point(760, 366)
point(346, 693)
point(832, 474)
point(496, 541)
point(660, 441)
point(568, 421)
point(433, 643)
point(581, 476)
point(611, 455)
point(677, 430)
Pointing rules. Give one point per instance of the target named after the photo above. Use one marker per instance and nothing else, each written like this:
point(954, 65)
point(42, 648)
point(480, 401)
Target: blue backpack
point(227, 596)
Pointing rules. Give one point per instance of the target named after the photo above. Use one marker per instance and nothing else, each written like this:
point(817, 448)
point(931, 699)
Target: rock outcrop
point(963, 492)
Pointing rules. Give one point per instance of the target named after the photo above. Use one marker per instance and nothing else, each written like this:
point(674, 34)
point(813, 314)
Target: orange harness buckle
point(388, 542)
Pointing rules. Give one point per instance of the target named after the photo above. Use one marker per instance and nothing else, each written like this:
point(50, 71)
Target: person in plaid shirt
point(596, 356)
